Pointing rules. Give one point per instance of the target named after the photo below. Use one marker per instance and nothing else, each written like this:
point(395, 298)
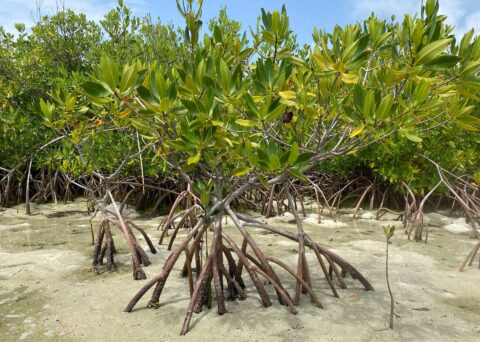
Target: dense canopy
point(218, 116)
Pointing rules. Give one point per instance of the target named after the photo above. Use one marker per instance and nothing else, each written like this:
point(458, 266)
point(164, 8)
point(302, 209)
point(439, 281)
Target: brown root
point(219, 277)
point(105, 247)
point(471, 257)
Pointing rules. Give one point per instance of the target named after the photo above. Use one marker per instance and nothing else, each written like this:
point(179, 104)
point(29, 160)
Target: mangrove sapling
point(389, 231)
point(217, 116)
point(260, 265)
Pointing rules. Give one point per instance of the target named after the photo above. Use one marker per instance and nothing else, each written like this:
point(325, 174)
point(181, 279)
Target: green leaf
point(129, 76)
point(275, 21)
point(240, 171)
point(413, 138)
point(217, 34)
point(251, 105)
point(194, 159)
point(109, 72)
point(358, 97)
point(269, 72)
point(431, 51)
point(305, 157)
point(47, 109)
point(146, 95)
point(158, 84)
point(195, 125)
point(385, 106)
point(467, 127)
point(349, 51)
point(465, 43)
point(422, 91)
point(190, 106)
point(294, 153)
point(96, 89)
point(410, 136)
point(287, 95)
point(443, 62)
point(470, 68)
point(252, 158)
point(297, 174)
point(245, 123)
point(431, 7)
point(274, 162)
point(225, 75)
point(70, 103)
point(369, 103)
point(179, 8)
point(262, 181)
point(469, 119)
point(389, 231)
point(139, 124)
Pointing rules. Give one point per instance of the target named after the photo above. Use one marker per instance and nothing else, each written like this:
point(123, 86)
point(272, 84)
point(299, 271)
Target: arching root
point(220, 277)
point(105, 247)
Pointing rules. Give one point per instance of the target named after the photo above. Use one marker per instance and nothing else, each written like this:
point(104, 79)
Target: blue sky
point(304, 15)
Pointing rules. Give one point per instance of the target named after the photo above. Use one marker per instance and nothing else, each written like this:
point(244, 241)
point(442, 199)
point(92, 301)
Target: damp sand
point(48, 292)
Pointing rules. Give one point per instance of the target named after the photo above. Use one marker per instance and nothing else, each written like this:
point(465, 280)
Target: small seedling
point(389, 231)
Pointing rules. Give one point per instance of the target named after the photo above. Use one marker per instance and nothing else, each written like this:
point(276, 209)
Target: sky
point(304, 14)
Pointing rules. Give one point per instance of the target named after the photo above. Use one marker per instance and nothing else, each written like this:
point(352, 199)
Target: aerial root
point(105, 247)
point(471, 257)
point(218, 277)
point(308, 287)
point(187, 217)
point(319, 250)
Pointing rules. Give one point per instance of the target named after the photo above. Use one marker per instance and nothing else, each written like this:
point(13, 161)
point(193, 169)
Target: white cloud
point(25, 11)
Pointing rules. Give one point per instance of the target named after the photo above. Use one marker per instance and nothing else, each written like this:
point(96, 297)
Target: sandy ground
point(48, 292)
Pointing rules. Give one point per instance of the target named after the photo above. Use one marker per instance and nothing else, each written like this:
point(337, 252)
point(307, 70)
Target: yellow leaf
point(289, 103)
point(222, 141)
point(257, 99)
point(240, 171)
point(352, 152)
point(124, 114)
point(340, 67)
point(75, 137)
point(228, 141)
point(195, 159)
point(70, 103)
point(349, 78)
point(164, 104)
point(357, 131)
point(287, 95)
point(161, 152)
point(244, 123)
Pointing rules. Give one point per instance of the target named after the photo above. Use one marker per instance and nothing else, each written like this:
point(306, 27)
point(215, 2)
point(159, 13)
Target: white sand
point(459, 226)
point(47, 292)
